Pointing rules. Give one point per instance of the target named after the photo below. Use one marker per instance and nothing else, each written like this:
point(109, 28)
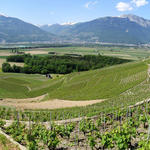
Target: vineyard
point(123, 128)
point(114, 123)
point(89, 85)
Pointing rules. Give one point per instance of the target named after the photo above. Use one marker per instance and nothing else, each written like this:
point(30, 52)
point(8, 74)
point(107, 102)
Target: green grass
point(132, 53)
point(98, 84)
point(123, 85)
point(5, 144)
point(136, 94)
point(102, 83)
point(130, 97)
point(3, 57)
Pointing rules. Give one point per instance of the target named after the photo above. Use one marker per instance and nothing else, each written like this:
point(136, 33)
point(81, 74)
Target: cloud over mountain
point(122, 6)
point(128, 6)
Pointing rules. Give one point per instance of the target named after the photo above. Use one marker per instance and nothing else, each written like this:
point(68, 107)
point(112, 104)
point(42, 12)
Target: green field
point(98, 84)
point(133, 53)
point(120, 85)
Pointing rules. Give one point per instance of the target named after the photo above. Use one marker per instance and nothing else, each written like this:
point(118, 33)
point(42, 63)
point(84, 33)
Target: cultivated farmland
point(90, 85)
point(80, 110)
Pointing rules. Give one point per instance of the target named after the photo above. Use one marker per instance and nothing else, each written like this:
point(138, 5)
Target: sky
point(40, 12)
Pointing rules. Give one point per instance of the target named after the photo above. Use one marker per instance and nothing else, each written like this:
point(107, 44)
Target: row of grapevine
point(121, 129)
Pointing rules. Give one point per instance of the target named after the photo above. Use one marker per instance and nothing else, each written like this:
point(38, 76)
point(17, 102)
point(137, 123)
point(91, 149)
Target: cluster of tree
point(18, 58)
point(6, 67)
point(59, 64)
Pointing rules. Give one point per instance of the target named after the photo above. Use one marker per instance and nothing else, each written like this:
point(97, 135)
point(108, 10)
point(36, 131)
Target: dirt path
point(148, 72)
point(51, 104)
point(27, 100)
point(59, 122)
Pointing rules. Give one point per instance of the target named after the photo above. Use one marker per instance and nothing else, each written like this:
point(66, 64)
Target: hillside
point(16, 30)
point(56, 28)
point(98, 84)
point(128, 29)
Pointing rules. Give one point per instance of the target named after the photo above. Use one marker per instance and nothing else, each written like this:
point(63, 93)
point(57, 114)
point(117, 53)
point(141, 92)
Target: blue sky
point(62, 11)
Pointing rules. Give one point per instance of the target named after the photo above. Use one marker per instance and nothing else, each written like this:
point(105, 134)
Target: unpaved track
point(148, 72)
point(51, 104)
point(27, 100)
point(60, 122)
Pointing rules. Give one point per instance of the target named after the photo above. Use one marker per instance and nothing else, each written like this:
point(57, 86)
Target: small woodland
point(59, 64)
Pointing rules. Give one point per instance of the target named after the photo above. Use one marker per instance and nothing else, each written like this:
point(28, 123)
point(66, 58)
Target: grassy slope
point(98, 84)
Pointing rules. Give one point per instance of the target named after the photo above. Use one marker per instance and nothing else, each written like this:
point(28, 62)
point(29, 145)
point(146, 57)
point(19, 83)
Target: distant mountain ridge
point(128, 29)
point(139, 20)
point(125, 29)
point(16, 30)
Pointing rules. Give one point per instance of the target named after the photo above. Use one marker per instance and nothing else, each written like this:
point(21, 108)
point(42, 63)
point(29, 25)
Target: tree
point(16, 69)
point(6, 67)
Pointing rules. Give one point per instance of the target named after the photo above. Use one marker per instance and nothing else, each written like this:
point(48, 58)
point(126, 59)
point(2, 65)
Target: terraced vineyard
point(118, 87)
point(98, 84)
point(123, 128)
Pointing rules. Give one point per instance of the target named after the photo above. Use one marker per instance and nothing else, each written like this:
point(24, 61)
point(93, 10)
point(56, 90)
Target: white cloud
point(90, 3)
point(139, 3)
point(122, 6)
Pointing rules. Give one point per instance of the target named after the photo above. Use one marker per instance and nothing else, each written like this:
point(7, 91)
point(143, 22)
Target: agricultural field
point(80, 110)
point(90, 85)
point(36, 95)
point(4, 53)
point(121, 128)
point(137, 91)
point(133, 53)
point(125, 53)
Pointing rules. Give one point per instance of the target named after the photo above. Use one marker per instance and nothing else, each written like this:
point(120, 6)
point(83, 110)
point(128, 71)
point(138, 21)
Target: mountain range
point(129, 29)
point(15, 30)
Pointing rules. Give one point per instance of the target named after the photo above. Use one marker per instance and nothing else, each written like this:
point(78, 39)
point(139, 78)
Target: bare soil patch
point(36, 103)
point(36, 52)
point(11, 63)
point(2, 53)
